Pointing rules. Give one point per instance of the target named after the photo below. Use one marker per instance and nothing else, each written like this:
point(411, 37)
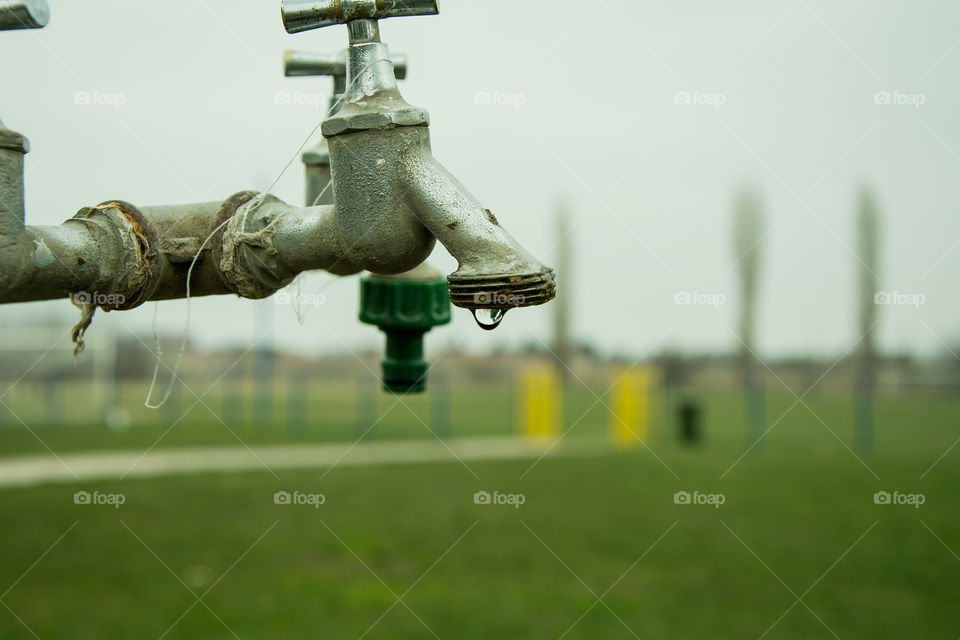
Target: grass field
point(799, 549)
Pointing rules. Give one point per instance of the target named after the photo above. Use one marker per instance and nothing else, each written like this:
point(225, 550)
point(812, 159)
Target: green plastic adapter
point(405, 307)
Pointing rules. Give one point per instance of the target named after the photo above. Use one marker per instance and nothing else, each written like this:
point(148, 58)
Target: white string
point(183, 342)
point(156, 368)
point(243, 225)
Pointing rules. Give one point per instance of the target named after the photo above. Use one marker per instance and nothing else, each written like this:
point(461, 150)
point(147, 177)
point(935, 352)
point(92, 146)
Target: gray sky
point(782, 96)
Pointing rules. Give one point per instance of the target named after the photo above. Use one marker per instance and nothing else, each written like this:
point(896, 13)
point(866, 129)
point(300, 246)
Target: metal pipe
point(114, 253)
point(13, 146)
point(23, 14)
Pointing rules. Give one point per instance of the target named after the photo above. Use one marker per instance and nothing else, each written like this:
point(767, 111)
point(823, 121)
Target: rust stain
point(141, 226)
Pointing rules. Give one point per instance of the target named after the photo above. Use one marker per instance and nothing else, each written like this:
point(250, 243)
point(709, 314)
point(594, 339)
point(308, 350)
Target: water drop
point(488, 319)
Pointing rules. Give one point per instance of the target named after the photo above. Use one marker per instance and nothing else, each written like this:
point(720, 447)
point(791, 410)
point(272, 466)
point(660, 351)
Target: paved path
point(26, 471)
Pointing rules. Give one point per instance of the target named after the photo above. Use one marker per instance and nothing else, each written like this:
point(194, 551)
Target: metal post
point(298, 404)
point(748, 232)
point(264, 368)
point(562, 341)
point(868, 233)
point(440, 404)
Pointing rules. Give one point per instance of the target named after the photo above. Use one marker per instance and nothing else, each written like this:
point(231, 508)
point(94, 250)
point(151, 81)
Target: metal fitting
point(13, 146)
point(129, 265)
point(317, 159)
point(405, 307)
point(248, 256)
point(23, 14)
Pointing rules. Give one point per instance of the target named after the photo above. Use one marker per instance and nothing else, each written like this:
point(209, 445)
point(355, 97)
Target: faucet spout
point(495, 271)
point(394, 199)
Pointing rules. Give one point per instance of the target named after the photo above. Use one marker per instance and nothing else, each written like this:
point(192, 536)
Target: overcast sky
point(591, 105)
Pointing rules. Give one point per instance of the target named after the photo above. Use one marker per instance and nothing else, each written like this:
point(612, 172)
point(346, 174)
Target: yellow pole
point(630, 410)
point(539, 407)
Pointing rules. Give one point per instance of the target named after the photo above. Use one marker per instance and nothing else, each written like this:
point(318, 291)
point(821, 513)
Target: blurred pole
point(53, 399)
point(105, 374)
point(690, 430)
point(868, 249)
point(298, 394)
point(440, 389)
point(540, 391)
point(232, 402)
point(667, 382)
point(630, 413)
point(172, 405)
point(366, 391)
point(562, 347)
point(263, 365)
point(748, 233)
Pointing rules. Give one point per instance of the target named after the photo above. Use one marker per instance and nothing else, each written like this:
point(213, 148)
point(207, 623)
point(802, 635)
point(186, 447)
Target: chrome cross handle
point(304, 15)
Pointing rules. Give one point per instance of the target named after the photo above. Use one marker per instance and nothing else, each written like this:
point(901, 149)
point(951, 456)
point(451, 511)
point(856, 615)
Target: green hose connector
point(405, 307)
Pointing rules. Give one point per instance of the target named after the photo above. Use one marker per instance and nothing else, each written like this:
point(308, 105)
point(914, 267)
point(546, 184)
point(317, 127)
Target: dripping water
point(488, 319)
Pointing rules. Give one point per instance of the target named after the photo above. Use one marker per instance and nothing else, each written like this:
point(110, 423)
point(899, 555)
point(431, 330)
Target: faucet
point(403, 306)
point(391, 202)
point(385, 142)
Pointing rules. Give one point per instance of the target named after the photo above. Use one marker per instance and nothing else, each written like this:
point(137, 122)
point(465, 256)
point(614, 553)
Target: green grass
point(799, 502)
